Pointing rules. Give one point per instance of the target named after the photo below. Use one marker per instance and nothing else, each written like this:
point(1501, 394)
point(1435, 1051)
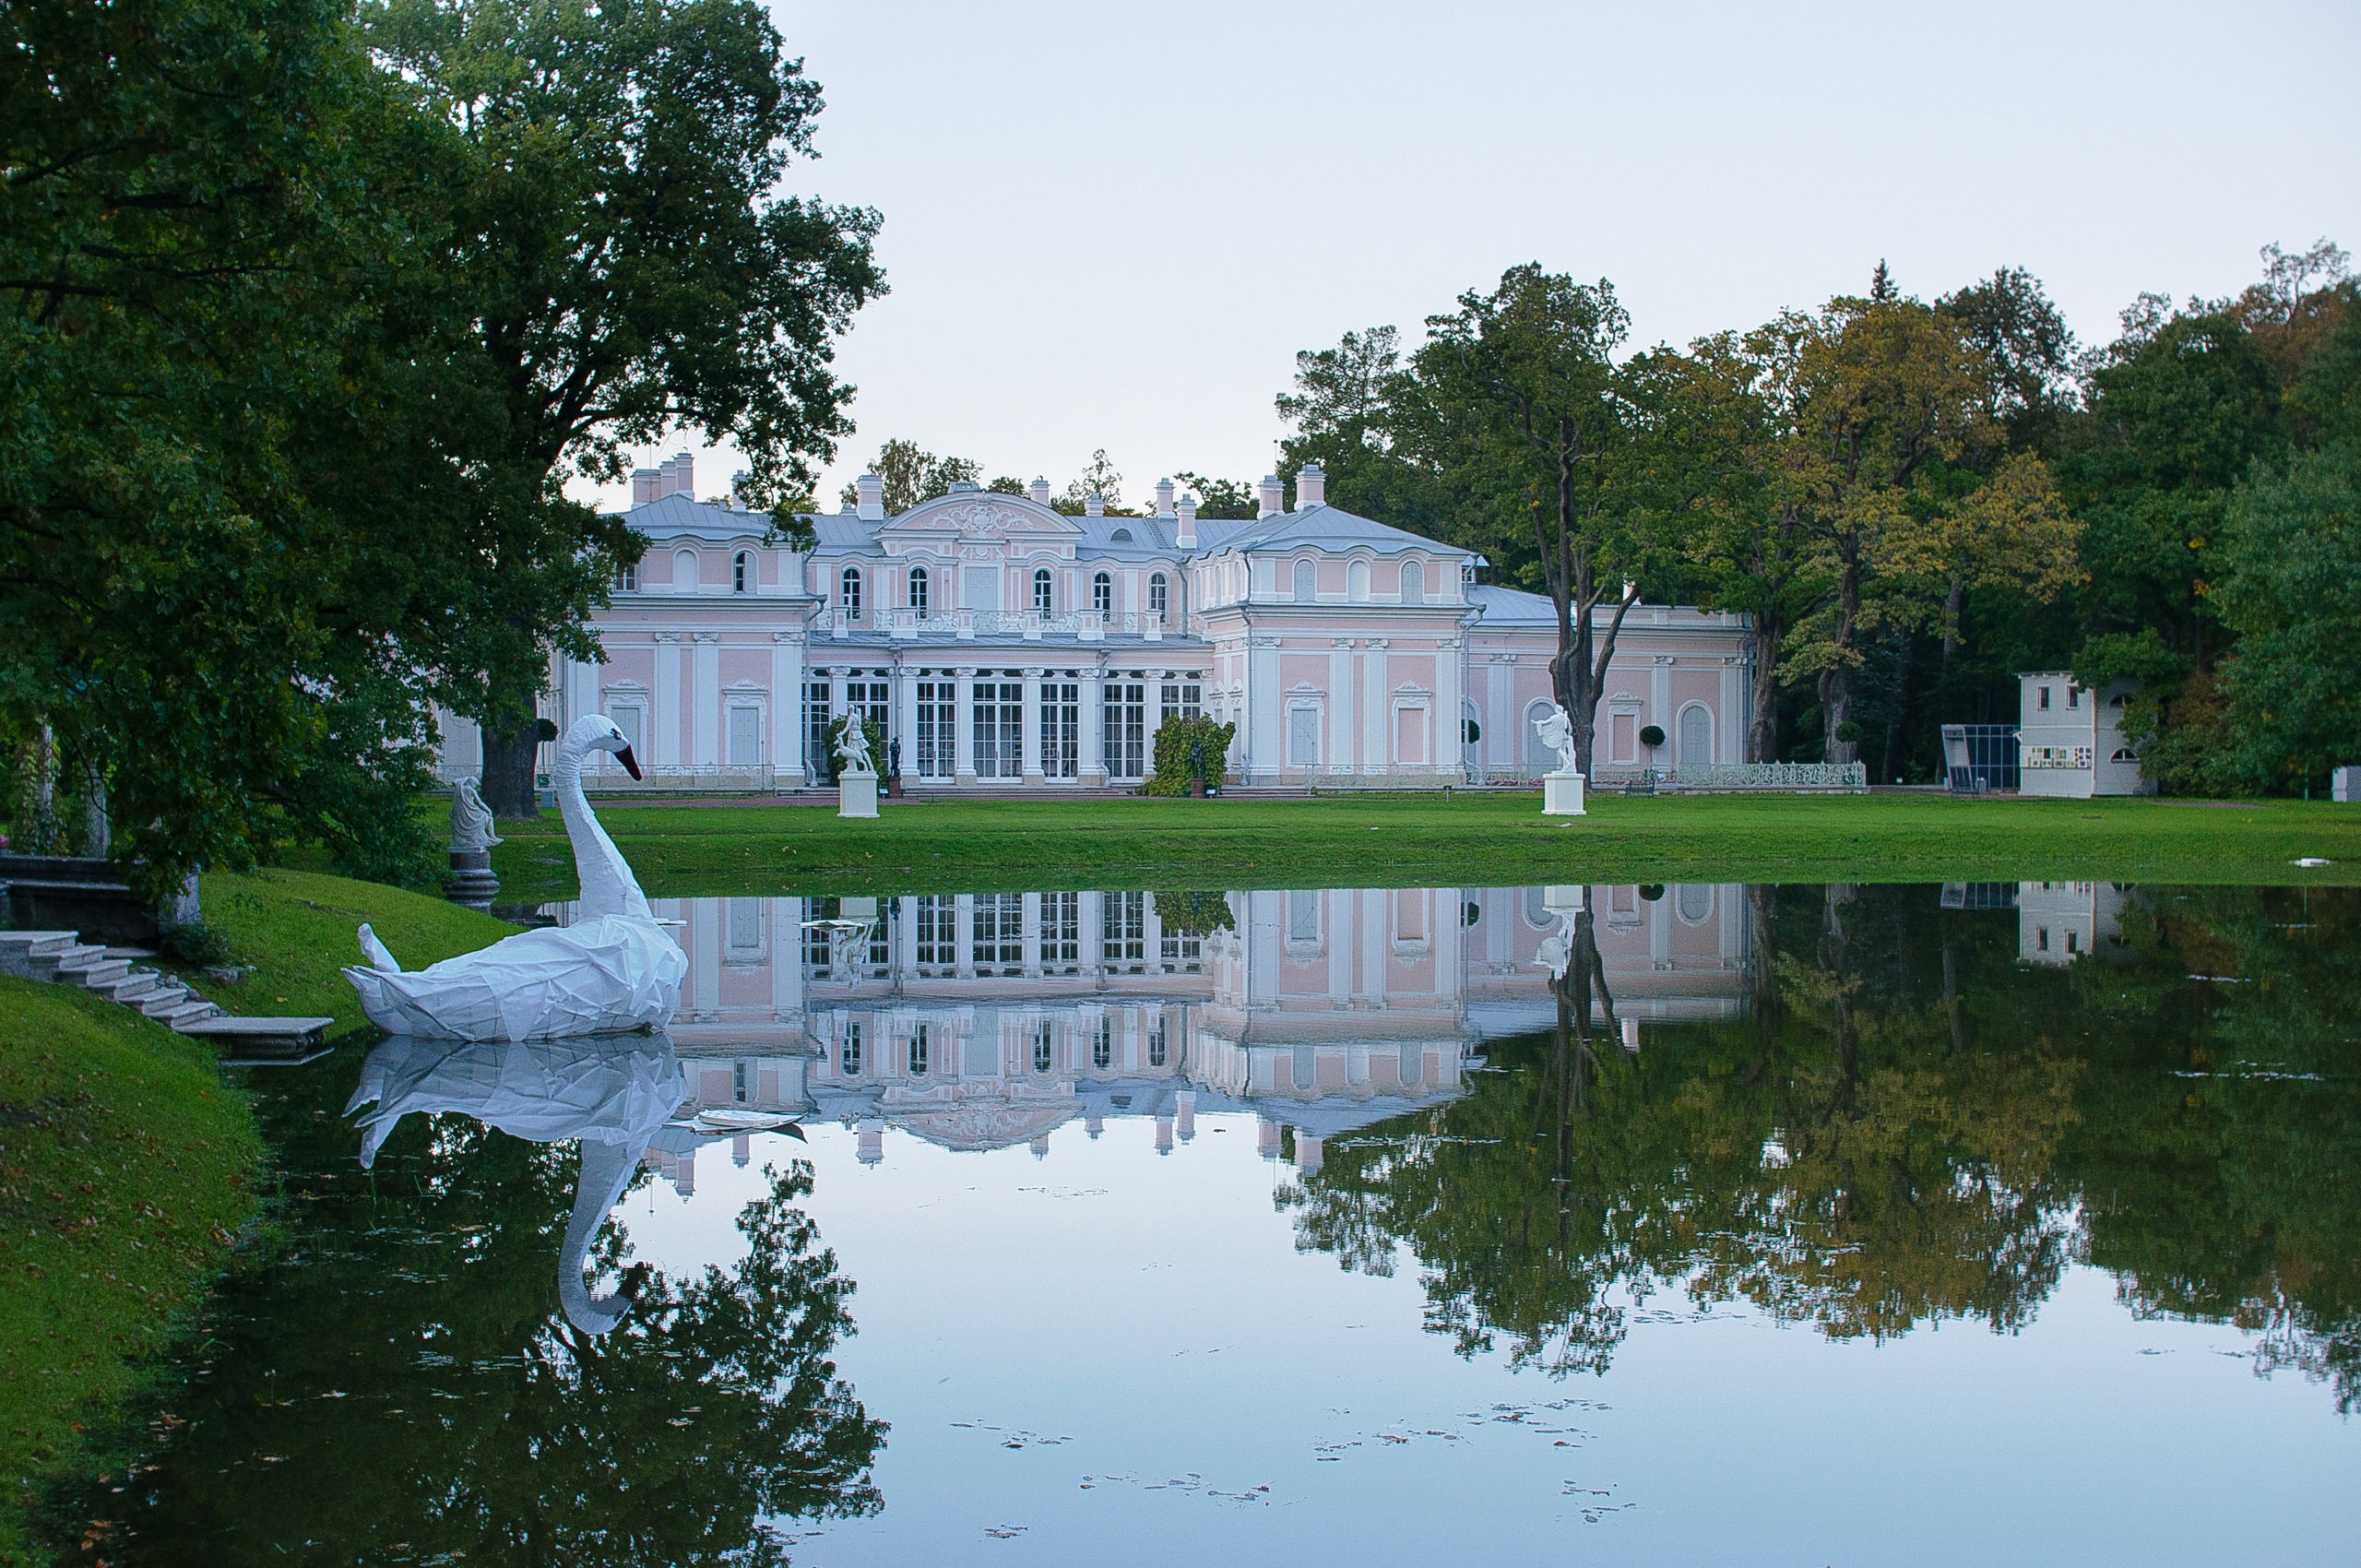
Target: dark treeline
point(311, 309)
point(1915, 500)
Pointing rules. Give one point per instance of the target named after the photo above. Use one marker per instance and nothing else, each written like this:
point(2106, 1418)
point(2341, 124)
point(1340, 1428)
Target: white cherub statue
point(852, 744)
point(471, 819)
point(1557, 731)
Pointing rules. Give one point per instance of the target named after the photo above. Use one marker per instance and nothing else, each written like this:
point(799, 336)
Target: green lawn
point(127, 1169)
point(298, 930)
point(1477, 841)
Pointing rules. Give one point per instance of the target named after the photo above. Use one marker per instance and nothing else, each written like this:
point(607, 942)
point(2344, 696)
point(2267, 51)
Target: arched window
point(684, 571)
point(1356, 582)
point(1040, 1048)
point(1306, 577)
point(1041, 597)
point(1414, 582)
point(1158, 596)
point(1696, 736)
point(918, 589)
point(850, 593)
point(1102, 594)
point(918, 1051)
point(849, 1057)
point(741, 567)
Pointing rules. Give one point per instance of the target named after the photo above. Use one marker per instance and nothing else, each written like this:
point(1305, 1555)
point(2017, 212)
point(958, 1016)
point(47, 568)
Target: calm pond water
point(1976, 1224)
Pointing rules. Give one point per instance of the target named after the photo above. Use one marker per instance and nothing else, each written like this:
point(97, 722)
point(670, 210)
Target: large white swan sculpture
point(613, 969)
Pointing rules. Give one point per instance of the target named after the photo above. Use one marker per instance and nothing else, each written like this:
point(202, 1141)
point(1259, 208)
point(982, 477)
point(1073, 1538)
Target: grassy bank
point(1409, 840)
point(297, 929)
point(126, 1170)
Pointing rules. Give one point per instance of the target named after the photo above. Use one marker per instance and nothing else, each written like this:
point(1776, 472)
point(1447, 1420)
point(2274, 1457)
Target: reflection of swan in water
point(613, 968)
point(610, 1091)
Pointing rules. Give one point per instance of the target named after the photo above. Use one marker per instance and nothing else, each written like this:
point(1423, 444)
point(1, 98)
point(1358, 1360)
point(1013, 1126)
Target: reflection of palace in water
point(986, 1020)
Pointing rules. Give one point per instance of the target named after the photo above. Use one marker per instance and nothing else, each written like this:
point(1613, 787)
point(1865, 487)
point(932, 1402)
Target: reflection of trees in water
point(1906, 1126)
point(399, 1384)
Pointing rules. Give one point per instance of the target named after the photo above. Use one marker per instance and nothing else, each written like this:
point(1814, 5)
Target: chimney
point(1164, 498)
point(738, 487)
point(1272, 490)
point(1093, 505)
point(1040, 490)
point(1186, 535)
point(1311, 487)
point(873, 497)
point(680, 477)
point(645, 486)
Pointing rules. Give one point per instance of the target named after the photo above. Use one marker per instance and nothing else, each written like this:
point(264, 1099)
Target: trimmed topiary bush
point(1187, 749)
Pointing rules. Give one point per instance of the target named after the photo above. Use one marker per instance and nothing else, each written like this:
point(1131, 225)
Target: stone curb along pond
point(1726, 1222)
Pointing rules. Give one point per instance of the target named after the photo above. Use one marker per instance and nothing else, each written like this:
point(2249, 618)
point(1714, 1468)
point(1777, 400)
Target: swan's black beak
point(631, 763)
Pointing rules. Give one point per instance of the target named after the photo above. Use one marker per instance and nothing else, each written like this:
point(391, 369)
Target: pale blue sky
point(1113, 226)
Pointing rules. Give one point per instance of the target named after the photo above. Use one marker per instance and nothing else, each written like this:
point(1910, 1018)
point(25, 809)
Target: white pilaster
point(964, 728)
point(1094, 727)
point(707, 700)
point(1377, 719)
point(1660, 703)
point(1030, 748)
point(1261, 722)
point(664, 700)
point(1343, 745)
point(1448, 735)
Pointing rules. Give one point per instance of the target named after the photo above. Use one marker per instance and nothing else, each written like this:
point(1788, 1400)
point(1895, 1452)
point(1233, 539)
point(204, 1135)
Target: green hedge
point(1175, 739)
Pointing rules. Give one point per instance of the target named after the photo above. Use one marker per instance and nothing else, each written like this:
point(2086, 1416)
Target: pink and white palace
point(998, 644)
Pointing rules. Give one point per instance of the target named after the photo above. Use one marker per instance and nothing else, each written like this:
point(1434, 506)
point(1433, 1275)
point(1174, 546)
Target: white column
point(1031, 927)
point(1448, 735)
point(1093, 914)
point(664, 701)
point(1093, 726)
point(1031, 746)
point(787, 957)
point(787, 706)
point(906, 715)
point(707, 718)
point(1377, 717)
point(1660, 703)
point(964, 728)
point(705, 956)
point(963, 930)
point(1262, 721)
point(1336, 931)
point(1342, 743)
point(1502, 745)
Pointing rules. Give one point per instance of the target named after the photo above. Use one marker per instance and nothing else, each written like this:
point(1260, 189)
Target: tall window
point(919, 1052)
point(1183, 698)
point(997, 934)
point(1041, 590)
point(849, 593)
point(873, 700)
point(938, 719)
point(937, 936)
point(1414, 582)
point(815, 726)
point(1000, 718)
point(1102, 1050)
point(1123, 937)
point(1102, 594)
point(1159, 595)
point(1306, 582)
point(1126, 714)
point(1060, 728)
point(849, 1055)
point(742, 569)
point(1041, 1053)
point(918, 589)
point(816, 951)
point(1155, 1053)
point(1060, 931)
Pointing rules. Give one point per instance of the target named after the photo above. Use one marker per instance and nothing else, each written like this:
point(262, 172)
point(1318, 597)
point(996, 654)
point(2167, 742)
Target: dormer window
point(741, 569)
point(1123, 536)
point(1158, 596)
point(849, 592)
point(917, 590)
point(1041, 591)
point(1102, 594)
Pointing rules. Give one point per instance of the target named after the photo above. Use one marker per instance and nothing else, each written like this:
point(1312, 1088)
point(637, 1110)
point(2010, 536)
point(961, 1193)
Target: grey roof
point(1511, 607)
point(1331, 527)
point(680, 517)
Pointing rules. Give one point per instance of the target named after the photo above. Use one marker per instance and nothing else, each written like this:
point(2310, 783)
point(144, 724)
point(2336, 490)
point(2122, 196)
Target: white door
point(1696, 738)
point(745, 737)
point(1303, 737)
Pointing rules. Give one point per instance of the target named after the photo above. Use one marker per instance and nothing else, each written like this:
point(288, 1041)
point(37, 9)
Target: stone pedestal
point(471, 882)
point(1561, 794)
point(857, 795)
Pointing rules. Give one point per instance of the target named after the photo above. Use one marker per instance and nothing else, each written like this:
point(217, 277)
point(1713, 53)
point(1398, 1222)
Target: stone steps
point(62, 958)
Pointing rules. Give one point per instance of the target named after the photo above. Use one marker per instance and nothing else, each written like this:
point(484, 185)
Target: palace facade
point(1000, 644)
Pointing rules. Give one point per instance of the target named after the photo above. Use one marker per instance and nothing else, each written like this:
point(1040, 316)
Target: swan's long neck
point(606, 1171)
point(608, 886)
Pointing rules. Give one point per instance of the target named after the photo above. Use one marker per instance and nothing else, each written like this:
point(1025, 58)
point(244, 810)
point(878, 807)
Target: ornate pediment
point(982, 516)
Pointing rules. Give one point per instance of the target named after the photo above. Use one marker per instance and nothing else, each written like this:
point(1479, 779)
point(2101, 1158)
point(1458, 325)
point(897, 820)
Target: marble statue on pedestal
point(1561, 787)
point(471, 882)
point(857, 774)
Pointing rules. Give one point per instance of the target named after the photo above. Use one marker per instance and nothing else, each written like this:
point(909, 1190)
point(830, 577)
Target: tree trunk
point(508, 760)
point(1893, 708)
point(1836, 681)
point(1763, 734)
